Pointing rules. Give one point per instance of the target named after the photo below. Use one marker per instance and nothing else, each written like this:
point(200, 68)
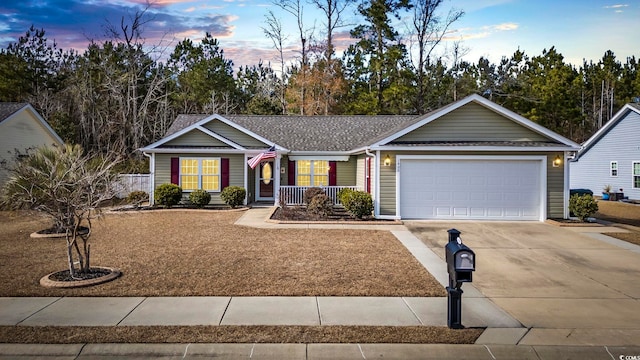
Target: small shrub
point(583, 206)
point(168, 195)
point(358, 203)
point(200, 198)
point(320, 205)
point(137, 197)
point(233, 195)
point(310, 193)
point(343, 194)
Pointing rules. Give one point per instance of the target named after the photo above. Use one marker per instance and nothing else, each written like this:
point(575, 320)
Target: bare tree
point(68, 186)
point(333, 10)
point(295, 8)
point(428, 30)
point(273, 31)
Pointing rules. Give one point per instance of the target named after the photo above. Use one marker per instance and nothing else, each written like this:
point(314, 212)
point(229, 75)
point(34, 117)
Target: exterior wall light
point(557, 161)
point(387, 160)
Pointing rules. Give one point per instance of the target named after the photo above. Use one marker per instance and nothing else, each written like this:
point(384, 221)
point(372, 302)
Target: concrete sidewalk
point(312, 351)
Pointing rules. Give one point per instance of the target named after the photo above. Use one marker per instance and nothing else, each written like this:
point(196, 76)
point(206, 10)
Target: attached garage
point(471, 187)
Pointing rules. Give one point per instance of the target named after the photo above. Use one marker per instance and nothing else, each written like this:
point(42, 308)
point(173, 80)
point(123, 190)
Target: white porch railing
point(132, 182)
point(294, 195)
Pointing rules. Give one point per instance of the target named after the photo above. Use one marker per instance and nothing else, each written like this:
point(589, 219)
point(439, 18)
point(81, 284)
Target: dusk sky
point(579, 29)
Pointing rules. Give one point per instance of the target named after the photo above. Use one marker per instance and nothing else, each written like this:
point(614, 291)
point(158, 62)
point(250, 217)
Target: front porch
point(294, 195)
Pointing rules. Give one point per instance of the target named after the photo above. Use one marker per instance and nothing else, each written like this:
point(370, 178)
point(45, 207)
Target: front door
point(264, 181)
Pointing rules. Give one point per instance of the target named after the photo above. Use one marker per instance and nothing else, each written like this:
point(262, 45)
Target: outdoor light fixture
point(557, 161)
point(387, 161)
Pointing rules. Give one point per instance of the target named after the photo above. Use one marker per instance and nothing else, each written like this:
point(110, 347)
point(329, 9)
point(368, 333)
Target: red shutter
point(175, 171)
point(292, 173)
point(333, 175)
point(224, 172)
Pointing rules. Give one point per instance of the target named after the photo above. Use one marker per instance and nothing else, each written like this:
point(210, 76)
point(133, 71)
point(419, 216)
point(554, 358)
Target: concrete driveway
point(564, 283)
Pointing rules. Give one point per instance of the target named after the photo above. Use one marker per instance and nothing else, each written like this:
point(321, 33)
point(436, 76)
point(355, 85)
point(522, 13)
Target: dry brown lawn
point(621, 213)
point(201, 253)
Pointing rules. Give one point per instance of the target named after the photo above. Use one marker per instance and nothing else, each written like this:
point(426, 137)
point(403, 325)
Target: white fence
point(294, 195)
point(133, 182)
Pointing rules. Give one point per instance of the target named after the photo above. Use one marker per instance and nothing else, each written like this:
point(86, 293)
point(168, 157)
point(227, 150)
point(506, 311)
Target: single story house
point(22, 128)
point(611, 156)
point(472, 159)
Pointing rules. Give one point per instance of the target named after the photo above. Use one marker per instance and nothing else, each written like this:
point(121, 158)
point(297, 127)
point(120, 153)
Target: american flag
point(265, 155)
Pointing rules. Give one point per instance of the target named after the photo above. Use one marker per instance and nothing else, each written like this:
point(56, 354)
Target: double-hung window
point(200, 173)
point(613, 169)
point(636, 174)
point(312, 173)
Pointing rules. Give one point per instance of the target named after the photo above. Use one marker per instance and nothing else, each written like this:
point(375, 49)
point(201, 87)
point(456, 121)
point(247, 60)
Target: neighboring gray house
point(21, 128)
point(611, 156)
point(471, 159)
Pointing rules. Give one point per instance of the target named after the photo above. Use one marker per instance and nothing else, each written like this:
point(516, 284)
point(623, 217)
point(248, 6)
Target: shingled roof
point(9, 108)
point(313, 133)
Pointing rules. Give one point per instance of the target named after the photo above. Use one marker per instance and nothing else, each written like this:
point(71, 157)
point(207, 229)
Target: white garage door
point(480, 189)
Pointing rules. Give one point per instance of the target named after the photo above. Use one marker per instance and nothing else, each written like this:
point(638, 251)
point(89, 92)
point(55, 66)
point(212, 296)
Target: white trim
point(195, 151)
point(218, 137)
point(200, 123)
point(488, 104)
point(246, 178)
point(567, 185)
point(152, 180)
point(257, 176)
point(605, 128)
point(633, 175)
point(319, 157)
point(541, 158)
point(39, 118)
point(199, 175)
point(473, 148)
point(376, 190)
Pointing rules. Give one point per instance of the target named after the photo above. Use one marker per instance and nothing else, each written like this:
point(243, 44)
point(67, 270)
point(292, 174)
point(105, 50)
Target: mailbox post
point(461, 263)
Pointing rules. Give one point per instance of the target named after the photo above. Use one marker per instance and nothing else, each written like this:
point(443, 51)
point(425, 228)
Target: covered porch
point(294, 195)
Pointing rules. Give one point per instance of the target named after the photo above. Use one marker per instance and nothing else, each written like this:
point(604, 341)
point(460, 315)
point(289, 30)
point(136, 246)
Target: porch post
point(276, 179)
point(246, 180)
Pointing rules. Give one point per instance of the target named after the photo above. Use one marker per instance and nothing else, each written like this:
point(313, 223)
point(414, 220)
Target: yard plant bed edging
point(60, 279)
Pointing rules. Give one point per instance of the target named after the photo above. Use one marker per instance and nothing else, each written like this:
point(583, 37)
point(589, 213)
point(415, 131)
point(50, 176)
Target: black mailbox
point(461, 263)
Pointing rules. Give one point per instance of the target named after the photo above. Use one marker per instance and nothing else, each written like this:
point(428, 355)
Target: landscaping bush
point(358, 203)
point(168, 195)
point(233, 195)
point(200, 198)
point(344, 193)
point(320, 205)
point(583, 206)
point(136, 197)
point(310, 193)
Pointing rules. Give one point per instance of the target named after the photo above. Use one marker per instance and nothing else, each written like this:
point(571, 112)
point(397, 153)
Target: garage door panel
point(470, 189)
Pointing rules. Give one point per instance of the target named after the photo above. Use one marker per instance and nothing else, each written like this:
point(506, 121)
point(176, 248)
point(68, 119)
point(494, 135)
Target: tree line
point(116, 96)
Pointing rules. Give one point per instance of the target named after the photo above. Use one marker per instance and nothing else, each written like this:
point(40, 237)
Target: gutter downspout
point(376, 192)
point(152, 162)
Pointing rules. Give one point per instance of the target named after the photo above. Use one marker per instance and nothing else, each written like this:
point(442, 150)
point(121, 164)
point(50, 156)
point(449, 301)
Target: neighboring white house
point(21, 128)
point(611, 156)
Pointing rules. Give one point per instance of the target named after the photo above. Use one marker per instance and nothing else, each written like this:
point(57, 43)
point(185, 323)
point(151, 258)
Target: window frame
point(612, 169)
point(312, 173)
point(635, 175)
point(200, 174)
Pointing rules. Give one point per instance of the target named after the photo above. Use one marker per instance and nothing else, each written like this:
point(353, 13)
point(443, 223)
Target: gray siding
point(233, 134)
point(622, 144)
point(162, 174)
point(472, 122)
point(196, 138)
point(555, 181)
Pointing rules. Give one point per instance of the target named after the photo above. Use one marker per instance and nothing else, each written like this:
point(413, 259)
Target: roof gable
point(474, 119)
point(620, 116)
point(9, 110)
point(195, 137)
